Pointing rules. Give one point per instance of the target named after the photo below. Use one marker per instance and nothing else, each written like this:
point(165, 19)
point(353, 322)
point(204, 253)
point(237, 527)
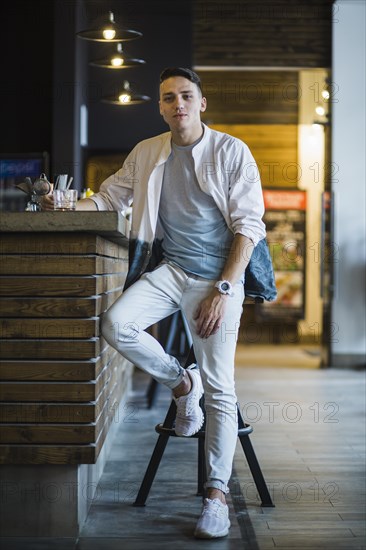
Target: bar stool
point(166, 430)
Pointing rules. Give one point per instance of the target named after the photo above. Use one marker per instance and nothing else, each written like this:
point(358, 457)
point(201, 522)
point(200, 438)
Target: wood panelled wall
point(261, 109)
point(100, 167)
point(274, 148)
point(250, 97)
point(262, 33)
point(61, 383)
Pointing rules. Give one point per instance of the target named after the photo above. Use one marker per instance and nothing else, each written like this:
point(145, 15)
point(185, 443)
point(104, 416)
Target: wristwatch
point(225, 287)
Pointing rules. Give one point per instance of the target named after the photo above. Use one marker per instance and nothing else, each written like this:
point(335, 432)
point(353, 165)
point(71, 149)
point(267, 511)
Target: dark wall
point(46, 76)
point(166, 41)
point(26, 89)
point(263, 33)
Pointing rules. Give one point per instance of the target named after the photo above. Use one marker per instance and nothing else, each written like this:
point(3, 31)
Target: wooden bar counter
point(62, 385)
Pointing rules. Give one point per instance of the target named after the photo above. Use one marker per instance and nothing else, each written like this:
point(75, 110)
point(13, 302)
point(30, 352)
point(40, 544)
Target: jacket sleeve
point(246, 205)
point(116, 192)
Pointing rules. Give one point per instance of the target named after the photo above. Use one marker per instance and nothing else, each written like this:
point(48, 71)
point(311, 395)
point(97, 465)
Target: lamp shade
point(109, 31)
point(126, 97)
point(117, 60)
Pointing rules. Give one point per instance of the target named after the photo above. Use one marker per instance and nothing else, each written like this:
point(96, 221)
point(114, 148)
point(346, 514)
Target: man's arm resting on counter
point(86, 204)
point(83, 204)
point(211, 310)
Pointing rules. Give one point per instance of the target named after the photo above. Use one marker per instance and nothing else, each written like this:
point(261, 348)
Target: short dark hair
point(180, 71)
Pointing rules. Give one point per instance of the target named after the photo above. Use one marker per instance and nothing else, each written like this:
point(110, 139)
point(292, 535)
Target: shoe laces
point(212, 507)
point(186, 404)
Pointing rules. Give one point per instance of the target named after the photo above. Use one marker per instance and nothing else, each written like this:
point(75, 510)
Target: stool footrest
point(170, 432)
point(161, 429)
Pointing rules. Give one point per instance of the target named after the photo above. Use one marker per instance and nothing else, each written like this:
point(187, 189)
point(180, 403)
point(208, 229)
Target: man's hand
point(82, 204)
point(47, 200)
point(210, 314)
point(211, 310)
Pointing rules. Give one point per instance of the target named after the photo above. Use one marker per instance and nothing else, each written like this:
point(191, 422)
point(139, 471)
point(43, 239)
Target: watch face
point(225, 287)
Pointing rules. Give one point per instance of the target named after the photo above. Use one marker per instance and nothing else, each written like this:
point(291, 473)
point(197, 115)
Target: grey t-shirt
point(196, 236)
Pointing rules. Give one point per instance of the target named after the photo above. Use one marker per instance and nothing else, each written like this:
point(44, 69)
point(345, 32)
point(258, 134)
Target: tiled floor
point(309, 436)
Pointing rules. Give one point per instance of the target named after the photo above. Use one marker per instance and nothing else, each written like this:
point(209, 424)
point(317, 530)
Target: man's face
point(181, 103)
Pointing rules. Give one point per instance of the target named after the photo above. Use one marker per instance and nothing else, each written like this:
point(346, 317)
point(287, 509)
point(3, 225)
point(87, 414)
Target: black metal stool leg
point(151, 393)
point(155, 458)
point(256, 471)
point(202, 476)
point(159, 447)
point(151, 470)
point(254, 465)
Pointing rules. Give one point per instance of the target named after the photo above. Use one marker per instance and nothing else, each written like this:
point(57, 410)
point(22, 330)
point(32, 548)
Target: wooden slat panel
point(116, 373)
point(37, 453)
point(47, 454)
point(274, 148)
point(48, 391)
point(63, 243)
point(49, 328)
point(60, 265)
point(46, 307)
point(24, 391)
point(114, 399)
point(49, 349)
point(250, 97)
point(24, 412)
point(62, 371)
point(262, 33)
point(51, 434)
point(72, 432)
point(45, 413)
point(47, 370)
point(60, 381)
point(57, 307)
point(49, 307)
point(44, 285)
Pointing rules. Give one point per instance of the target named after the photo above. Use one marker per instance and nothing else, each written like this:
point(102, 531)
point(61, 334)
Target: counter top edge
point(111, 225)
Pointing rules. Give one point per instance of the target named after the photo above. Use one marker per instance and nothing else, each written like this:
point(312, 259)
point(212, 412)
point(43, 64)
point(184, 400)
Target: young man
point(196, 192)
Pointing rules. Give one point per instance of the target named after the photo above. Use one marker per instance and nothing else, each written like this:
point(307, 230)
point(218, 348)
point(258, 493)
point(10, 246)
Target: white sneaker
point(214, 521)
point(189, 419)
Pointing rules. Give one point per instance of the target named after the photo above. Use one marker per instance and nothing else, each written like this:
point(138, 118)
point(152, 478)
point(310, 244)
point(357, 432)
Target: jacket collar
point(166, 148)
point(202, 144)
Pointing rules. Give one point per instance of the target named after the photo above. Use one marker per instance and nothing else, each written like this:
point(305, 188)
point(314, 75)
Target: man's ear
point(203, 104)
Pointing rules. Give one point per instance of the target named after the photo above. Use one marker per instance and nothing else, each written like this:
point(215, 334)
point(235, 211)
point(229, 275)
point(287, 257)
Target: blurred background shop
point(282, 76)
point(286, 77)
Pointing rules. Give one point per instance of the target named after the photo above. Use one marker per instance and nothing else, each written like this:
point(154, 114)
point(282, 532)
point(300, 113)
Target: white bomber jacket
point(225, 169)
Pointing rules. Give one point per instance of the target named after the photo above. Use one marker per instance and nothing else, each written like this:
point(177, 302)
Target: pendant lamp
point(117, 60)
point(109, 31)
point(126, 97)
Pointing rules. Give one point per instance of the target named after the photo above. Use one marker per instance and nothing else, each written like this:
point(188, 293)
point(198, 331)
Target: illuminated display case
point(285, 220)
point(13, 169)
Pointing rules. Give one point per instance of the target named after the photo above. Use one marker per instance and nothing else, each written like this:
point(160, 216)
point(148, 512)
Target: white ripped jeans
point(155, 296)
